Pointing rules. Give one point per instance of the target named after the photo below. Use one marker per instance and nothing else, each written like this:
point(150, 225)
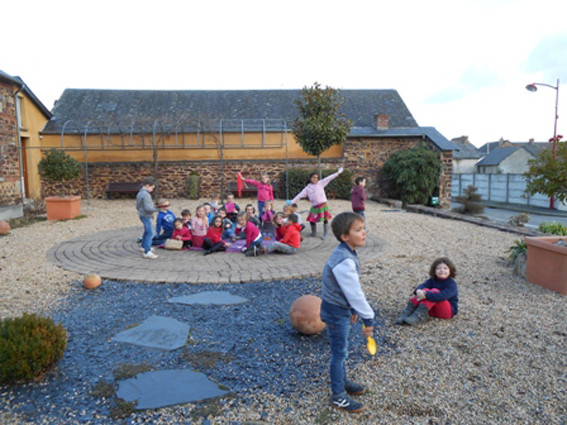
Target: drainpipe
point(18, 124)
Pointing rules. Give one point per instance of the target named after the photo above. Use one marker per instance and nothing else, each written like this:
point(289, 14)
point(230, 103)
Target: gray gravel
point(503, 359)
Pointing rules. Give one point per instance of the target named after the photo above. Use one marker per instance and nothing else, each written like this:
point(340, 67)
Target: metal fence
point(502, 188)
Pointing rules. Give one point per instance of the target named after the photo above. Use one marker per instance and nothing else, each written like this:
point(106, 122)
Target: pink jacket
point(265, 191)
point(199, 226)
point(315, 192)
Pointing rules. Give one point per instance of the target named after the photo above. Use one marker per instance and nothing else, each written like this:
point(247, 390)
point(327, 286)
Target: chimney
point(382, 121)
point(532, 142)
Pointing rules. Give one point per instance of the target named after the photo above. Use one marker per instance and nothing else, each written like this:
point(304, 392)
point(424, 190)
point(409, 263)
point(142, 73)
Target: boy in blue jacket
point(164, 223)
point(342, 302)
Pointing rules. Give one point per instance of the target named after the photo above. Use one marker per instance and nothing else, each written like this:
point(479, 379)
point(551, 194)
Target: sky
point(460, 66)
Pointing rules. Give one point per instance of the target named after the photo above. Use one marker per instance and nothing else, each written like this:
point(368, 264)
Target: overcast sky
point(460, 66)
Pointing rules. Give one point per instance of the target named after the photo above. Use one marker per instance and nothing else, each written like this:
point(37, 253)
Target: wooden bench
point(251, 191)
point(122, 188)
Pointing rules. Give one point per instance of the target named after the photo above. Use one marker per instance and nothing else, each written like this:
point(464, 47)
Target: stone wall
point(362, 157)
point(10, 185)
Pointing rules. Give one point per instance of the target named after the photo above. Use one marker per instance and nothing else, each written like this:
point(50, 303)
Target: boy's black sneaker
point(344, 402)
point(353, 388)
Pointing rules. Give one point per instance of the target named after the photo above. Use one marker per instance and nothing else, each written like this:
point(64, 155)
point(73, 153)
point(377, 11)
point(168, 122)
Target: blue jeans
point(148, 233)
point(361, 212)
point(337, 320)
point(260, 209)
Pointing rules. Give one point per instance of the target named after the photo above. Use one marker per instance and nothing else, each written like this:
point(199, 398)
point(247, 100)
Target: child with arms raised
point(437, 297)
point(265, 191)
point(315, 192)
point(342, 302)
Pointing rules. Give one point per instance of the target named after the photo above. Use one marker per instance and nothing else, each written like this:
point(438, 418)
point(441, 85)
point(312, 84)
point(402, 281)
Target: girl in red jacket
point(279, 224)
point(182, 233)
point(213, 241)
point(291, 240)
point(253, 236)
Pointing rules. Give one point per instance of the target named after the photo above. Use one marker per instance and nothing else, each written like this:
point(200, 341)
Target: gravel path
point(503, 359)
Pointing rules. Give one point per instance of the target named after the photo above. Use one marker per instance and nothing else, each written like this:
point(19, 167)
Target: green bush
point(58, 166)
point(470, 202)
point(413, 175)
point(553, 228)
point(339, 188)
point(29, 345)
point(193, 186)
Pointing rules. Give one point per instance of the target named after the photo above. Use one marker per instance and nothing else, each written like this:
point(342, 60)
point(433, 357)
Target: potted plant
point(547, 262)
point(57, 166)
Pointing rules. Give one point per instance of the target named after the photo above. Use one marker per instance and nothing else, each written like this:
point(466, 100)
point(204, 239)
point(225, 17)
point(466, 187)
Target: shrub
point(470, 202)
point(57, 166)
point(413, 175)
point(339, 188)
point(553, 228)
point(519, 220)
point(29, 345)
point(193, 186)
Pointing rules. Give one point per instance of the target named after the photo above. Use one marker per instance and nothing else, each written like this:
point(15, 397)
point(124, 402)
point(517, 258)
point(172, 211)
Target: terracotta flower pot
point(547, 263)
point(63, 207)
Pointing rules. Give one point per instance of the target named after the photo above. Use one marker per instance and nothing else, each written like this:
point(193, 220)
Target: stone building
point(125, 135)
point(22, 116)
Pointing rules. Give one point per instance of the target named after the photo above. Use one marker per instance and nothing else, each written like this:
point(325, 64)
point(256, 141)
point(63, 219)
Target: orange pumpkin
point(4, 227)
point(92, 281)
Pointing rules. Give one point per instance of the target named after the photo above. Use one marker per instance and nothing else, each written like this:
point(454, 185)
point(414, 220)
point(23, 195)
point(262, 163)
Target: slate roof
point(26, 90)
point(83, 105)
point(466, 150)
point(533, 148)
point(231, 110)
point(497, 156)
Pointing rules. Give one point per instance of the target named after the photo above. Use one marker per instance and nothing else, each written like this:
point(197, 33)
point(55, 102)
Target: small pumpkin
point(4, 227)
point(92, 281)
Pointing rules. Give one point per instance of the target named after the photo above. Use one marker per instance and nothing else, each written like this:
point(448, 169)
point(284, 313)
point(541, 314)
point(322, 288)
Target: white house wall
point(462, 166)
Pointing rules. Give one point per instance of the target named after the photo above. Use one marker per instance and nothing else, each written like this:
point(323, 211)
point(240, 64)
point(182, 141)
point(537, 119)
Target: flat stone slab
point(152, 390)
point(156, 332)
point(209, 298)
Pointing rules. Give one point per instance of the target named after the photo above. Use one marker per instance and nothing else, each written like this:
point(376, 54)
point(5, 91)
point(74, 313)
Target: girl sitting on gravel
point(315, 192)
point(438, 296)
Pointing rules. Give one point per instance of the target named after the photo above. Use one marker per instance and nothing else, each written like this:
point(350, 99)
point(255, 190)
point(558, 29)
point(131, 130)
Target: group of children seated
point(216, 227)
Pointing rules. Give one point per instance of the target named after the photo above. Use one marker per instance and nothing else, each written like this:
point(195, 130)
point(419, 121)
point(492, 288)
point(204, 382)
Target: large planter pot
point(63, 207)
point(547, 263)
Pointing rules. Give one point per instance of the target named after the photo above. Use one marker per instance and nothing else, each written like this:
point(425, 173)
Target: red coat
point(251, 231)
point(185, 234)
point(280, 232)
point(215, 234)
point(292, 236)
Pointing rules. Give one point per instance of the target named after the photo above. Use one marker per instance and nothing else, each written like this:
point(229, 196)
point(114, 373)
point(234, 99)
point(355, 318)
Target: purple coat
point(357, 197)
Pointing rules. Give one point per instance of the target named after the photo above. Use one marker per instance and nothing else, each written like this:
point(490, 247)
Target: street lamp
point(533, 87)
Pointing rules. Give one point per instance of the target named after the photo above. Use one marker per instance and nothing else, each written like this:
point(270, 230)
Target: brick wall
point(362, 157)
point(10, 187)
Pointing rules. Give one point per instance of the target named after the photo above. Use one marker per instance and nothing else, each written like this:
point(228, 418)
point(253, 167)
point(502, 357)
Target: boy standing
point(342, 302)
point(146, 209)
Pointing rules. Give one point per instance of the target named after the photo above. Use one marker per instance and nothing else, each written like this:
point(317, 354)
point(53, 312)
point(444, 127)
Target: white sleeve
point(347, 277)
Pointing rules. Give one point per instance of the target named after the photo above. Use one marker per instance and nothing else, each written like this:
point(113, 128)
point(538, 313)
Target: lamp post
point(533, 87)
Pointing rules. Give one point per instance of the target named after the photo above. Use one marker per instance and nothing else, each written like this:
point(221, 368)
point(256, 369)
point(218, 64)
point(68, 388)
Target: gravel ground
point(503, 359)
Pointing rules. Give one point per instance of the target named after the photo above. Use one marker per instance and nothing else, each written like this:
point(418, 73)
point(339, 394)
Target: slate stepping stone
point(156, 332)
point(152, 390)
point(209, 298)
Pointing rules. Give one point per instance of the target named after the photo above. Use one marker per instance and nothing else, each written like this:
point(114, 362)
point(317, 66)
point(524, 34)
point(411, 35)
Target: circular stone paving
point(115, 255)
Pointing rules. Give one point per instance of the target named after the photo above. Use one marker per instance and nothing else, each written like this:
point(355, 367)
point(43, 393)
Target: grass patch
point(25, 221)
point(206, 359)
point(126, 371)
point(103, 389)
point(122, 409)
